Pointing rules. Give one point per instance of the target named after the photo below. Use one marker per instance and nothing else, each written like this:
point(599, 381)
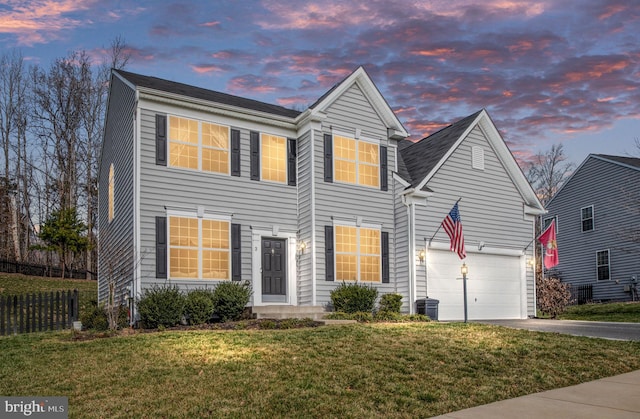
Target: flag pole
point(440, 225)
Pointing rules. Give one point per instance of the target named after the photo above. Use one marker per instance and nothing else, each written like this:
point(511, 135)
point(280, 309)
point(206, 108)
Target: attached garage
point(495, 284)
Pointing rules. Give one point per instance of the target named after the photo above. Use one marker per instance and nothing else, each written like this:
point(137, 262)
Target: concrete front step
point(288, 312)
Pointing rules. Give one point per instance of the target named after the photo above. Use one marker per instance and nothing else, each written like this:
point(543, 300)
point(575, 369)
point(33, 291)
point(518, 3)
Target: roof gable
point(424, 158)
point(371, 93)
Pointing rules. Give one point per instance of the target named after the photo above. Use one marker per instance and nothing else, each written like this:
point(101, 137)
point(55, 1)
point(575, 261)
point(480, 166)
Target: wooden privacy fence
point(38, 312)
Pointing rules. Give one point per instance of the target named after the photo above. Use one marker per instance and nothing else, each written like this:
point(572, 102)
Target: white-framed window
point(546, 221)
point(274, 158)
point(356, 161)
point(603, 265)
point(112, 189)
point(586, 217)
point(198, 145)
point(358, 253)
point(199, 247)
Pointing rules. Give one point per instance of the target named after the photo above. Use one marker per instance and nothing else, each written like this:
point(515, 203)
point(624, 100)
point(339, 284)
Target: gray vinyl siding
point(491, 208)
point(253, 204)
point(401, 248)
point(305, 285)
point(115, 238)
point(339, 201)
point(609, 187)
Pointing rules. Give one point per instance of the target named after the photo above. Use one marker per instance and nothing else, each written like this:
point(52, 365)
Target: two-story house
point(597, 213)
point(198, 187)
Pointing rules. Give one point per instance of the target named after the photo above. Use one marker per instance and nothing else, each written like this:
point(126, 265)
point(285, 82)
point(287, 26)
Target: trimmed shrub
point(94, 317)
point(353, 298)
point(552, 296)
point(198, 307)
point(391, 303)
point(387, 316)
point(229, 300)
point(161, 306)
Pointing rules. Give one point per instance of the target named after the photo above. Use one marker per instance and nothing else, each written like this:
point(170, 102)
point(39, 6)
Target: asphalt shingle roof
point(205, 94)
point(629, 161)
point(422, 156)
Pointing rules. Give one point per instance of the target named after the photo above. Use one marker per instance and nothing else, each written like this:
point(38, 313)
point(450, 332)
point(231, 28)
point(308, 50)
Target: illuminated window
point(274, 158)
point(112, 187)
point(356, 162)
point(198, 145)
point(198, 248)
point(357, 254)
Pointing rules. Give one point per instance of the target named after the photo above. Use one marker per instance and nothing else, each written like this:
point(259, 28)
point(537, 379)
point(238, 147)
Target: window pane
point(182, 129)
point(368, 175)
point(183, 232)
point(215, 234)
point(344, 148)
point(368, 153)
point(183, 155)
point(369, 241)
point(274, 158)
point(184, 263)
point(346, 267)
point(215, 264)
point(346, 240)
point(215, 160)
point(345, 171)
point(214, 135)
point(370, 268)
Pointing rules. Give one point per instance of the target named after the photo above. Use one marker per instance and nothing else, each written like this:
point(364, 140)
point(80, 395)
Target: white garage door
point(494, 285)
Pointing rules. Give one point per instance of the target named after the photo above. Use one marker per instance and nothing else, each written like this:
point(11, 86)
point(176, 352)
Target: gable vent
point(477, 157)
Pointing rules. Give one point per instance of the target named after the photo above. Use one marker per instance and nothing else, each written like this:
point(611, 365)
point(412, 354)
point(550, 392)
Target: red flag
point(452, 225)
point(548, 240)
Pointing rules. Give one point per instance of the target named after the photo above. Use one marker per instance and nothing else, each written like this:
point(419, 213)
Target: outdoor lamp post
point(464, 269)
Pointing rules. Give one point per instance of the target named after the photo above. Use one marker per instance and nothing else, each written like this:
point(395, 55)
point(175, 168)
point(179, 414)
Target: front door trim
point(256, 265)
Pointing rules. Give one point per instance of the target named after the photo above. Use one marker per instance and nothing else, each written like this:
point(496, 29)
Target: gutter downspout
point(411, 211)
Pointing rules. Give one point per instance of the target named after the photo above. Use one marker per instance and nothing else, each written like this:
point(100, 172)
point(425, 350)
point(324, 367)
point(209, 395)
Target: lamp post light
point(464, 269)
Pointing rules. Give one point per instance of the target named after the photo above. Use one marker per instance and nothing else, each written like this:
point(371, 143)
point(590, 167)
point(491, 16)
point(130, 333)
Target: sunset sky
point(548, 72)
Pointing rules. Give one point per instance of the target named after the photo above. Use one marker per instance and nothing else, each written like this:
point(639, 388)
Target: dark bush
point(391, 303)
point(161, 306)
point(353, 298)
point(94, 317)
point(229, 300)
point(198, 308)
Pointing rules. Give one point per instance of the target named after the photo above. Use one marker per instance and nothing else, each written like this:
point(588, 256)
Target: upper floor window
point(358, 256)
point(112, 188)
point(586, 215)
point(602, 265)
point(274, 158)
point(199, 248)
point(198, 145)
point(356, 162)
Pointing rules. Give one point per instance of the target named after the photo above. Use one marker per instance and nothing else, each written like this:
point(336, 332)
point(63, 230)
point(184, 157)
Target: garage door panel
point(493, 285)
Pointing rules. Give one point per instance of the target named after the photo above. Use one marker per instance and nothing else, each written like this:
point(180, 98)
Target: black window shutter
point(235, 152)
point(236, 266)
point(161, 247)
point(255, 155)
point(383, 168)
point(385, 257)
point(328, 158)
point(291, 161)
point(161, 140)
point(328, 253)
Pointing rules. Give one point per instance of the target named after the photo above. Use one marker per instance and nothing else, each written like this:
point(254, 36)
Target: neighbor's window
point(602, 264)
point(274, 158)
point(198, 145)
point(112, 187)
point(357, 254)
point(356, 162)
point(198, 248)
point(587, 218)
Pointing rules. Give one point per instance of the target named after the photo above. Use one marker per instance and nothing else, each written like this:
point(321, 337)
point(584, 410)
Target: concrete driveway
point(605, 330)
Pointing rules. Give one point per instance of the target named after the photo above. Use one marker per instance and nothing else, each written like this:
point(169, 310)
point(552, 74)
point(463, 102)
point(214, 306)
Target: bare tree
point(548, 171)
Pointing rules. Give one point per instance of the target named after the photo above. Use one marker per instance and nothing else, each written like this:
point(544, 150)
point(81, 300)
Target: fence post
point(21, 314)
point(28, 317)
point(2, 319)
point(57, 310)
point(76, 305)
point(51, 312)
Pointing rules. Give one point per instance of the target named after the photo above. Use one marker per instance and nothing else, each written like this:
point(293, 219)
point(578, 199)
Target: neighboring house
point(198, 187)
point(597, 213)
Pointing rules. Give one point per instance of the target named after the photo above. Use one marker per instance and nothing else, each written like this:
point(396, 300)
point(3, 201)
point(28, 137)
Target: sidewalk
point(613, 397)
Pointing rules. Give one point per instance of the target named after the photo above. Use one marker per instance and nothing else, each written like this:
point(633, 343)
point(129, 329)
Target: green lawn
point(610, 312)
point(17, 284)
point(361, 370)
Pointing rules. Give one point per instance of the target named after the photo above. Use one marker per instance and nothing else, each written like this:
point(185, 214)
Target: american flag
point(453, 226)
